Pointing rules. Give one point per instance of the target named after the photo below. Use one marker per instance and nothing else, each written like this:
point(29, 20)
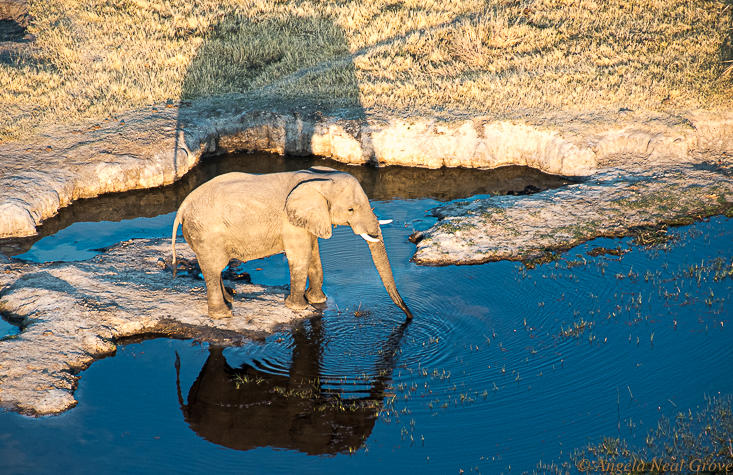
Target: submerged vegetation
point(693, 443)
point(576, 329)
point(501, 58)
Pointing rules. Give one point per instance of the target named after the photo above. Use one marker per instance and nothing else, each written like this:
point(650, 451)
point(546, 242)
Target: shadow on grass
point(289, 60)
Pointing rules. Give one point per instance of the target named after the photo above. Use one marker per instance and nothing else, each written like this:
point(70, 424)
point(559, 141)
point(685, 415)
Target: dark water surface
point(482, 380)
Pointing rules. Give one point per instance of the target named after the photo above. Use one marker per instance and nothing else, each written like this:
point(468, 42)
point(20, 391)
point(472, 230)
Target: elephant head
point(335, 198)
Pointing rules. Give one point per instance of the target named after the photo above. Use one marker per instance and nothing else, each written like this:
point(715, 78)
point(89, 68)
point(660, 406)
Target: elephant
point(246, 216)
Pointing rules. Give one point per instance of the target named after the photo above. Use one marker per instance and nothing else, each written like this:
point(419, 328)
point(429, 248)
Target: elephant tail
point(178, 221)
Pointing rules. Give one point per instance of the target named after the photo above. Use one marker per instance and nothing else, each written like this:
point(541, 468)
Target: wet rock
point(615, 202)
point(73, 313)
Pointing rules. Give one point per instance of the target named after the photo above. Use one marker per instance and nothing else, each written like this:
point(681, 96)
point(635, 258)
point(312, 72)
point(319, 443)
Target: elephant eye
point(351, 210)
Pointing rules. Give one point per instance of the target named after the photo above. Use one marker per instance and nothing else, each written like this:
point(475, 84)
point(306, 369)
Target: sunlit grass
point(500, 58)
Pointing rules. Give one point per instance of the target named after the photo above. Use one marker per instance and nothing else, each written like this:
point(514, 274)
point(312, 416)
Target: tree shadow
point(300, 63)
point(297, 66)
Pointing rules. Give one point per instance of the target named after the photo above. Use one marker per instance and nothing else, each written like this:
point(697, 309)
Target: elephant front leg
point(298, 253)
point(298, 277)
point(315, 294)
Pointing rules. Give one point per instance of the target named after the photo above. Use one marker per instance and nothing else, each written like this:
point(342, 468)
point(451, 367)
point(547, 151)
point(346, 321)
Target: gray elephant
point(245, 217)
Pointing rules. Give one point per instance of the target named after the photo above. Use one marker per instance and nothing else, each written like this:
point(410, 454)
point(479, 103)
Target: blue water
point(480, 381)
point(8, 329)
point(84, 240)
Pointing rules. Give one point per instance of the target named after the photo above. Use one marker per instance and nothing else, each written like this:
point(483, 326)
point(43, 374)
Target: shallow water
point(481, 380)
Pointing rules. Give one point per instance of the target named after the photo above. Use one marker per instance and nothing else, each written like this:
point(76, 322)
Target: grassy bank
point(453, 58)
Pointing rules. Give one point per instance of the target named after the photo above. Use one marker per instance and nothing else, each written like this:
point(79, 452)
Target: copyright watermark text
point(638, 466)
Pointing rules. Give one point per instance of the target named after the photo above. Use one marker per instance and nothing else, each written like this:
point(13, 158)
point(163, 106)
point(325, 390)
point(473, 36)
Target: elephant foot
point(219, 313)
point(315, 296)
point(295, 304)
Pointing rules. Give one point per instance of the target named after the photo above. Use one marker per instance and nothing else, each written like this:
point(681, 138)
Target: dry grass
point(543, 55)
point(502, 58)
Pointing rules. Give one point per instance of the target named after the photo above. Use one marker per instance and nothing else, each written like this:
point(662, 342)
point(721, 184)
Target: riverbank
point(158, 145)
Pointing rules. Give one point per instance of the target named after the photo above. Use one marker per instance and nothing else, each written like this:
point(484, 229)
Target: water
point(7, 329)
point(481, 380)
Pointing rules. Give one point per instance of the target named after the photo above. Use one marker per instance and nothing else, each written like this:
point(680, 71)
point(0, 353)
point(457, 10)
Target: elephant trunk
point(381, 261)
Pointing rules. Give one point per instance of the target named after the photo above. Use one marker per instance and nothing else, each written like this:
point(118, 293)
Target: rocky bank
point(630, 198)
point(157, 146)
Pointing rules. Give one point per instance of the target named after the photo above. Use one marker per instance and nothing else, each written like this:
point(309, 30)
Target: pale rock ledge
point(157, 146)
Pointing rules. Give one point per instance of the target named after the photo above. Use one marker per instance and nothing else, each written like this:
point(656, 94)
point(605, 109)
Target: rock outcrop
point(157, 146)
point(614, 202)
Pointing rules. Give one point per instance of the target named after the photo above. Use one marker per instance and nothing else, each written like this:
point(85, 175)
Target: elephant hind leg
point(227, 296)
point(215, 292)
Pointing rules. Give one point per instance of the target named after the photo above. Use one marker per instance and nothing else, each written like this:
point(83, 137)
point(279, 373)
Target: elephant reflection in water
point(247, 408)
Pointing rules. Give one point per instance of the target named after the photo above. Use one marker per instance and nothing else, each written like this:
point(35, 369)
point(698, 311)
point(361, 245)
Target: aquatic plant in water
point(700, 442)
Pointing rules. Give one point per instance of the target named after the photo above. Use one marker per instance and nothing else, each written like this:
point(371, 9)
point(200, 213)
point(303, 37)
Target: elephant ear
point(308, 208)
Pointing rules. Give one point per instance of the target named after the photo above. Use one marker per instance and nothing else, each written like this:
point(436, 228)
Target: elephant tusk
point(368, 238)
point(385, 221)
